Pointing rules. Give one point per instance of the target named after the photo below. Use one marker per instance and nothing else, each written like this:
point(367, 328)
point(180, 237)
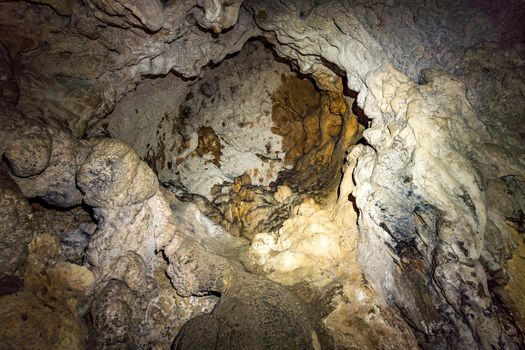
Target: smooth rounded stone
point(113, 174)
point(195, 271)
point(201, 332)
point(26, 144)
point(56, 184)
point(112, 312)
point(118, 316)
point(30, 151)
point(253, 313)
point(121, 301)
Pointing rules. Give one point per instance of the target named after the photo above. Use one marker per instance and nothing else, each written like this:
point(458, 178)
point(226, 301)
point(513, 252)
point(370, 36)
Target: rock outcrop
point(437, 179)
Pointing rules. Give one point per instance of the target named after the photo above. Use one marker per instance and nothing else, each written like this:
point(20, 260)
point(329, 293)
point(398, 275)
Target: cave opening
point(198, 174)
point(264, 152)
point(243, 136)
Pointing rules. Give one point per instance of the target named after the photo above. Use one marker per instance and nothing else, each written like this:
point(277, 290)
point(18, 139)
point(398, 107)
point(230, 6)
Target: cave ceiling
point(228, 174)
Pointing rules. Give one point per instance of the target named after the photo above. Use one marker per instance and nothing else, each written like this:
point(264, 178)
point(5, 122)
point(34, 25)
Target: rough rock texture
point(81, 80)
point(130, 208)
point(422, 200)
point(15, 231)
point(438, 180)
point(8, 85)
point(249, 122)
point(44, 160)
point(249, 115)
point(45, 313)
point(252, 311)
point(317, 247)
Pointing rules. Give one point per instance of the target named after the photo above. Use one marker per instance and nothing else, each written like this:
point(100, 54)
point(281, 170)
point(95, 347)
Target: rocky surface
point(45, 313)
point(168, 42)
point(209, 130)
point(125, 292)
point(248, 115)
point(436, 256)
point(277, 320)
point(15, 229)
point(252, 311)
point(417, 188)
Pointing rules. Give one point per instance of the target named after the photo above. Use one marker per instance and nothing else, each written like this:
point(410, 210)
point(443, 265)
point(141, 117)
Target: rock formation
point(262, 174)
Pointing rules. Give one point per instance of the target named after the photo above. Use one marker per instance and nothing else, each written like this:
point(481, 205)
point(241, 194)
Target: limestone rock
point(15, 231)
point(113, 315)
point(438, 178)
point(27, 146)
point(282, 194)
point(22, 315)
point(46, 269)
point(253, 313)
point(112, 173)
point(73, 227)
point(169, 311)
point(417, 188)
point(45, 313)
point(146, 14)
point(307, 248)
point(218, 15)
point(50, 155)
point(191, 147)
point(118, 315)
point(356, 320)
point(74, 82)
point(128, 207)
point(207, 261)
point(193, 271)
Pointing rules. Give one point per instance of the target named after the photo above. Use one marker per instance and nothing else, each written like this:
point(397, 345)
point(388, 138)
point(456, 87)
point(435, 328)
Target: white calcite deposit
point(121, 105)
point(233, 99)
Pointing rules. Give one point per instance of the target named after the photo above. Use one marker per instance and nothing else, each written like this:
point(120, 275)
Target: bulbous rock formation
point(262, 174)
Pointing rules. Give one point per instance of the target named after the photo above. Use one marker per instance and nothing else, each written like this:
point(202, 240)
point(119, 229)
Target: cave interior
point(262, 174)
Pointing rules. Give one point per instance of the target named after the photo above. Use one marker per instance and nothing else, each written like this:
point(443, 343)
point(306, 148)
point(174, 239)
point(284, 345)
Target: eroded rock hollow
point(210, 174)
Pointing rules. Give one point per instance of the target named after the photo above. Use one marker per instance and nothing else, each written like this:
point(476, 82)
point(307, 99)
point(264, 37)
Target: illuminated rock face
point(356, 174)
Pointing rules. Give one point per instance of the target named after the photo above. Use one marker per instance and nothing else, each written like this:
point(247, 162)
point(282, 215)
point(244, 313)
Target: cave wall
point(439, 183)
point(420, 186)
point(211, 129)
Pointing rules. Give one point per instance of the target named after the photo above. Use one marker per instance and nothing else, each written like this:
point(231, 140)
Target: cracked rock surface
point(262, 174)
